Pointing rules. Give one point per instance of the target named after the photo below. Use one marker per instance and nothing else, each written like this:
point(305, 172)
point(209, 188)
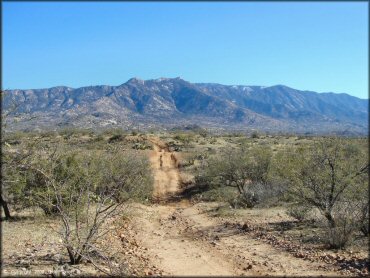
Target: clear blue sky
point(310, 46)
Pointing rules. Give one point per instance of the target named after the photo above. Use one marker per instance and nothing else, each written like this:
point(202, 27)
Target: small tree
point(246, 170)
point(11, 158)
point(331, 175)
point(85, 189)
point(15, 160)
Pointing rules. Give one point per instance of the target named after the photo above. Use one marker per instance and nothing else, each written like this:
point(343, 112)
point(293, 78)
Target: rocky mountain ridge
point(170, 102)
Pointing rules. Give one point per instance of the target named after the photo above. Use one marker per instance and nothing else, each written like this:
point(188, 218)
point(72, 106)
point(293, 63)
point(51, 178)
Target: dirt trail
point(166, 174)
point(182, 240)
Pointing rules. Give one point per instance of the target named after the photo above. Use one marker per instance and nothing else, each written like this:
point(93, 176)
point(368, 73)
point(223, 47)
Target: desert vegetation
point(311, 192)
point(327, 174)
point(74, 180)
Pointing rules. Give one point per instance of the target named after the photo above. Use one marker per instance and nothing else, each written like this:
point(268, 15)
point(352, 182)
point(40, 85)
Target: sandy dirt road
point(166, 178)
point(182, 240)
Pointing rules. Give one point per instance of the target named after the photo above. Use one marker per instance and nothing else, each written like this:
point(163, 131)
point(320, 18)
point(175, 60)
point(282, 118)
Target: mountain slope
point(170, 102)
point(287, 103)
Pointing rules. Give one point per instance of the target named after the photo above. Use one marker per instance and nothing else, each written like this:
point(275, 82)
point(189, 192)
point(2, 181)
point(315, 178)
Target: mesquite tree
point(86, 190)
point(242, 168)
point(331, 175)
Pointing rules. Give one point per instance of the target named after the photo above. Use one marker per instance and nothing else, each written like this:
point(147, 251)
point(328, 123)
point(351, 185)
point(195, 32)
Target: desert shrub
point(16, 136)
point(364, 219)
point(203, 181)
point(219, 194)
point(84, 189)
point(338, 237)
point(203, 133)
point(184, 138)
point(128, 174)
point(116, 138)
point(98, 138)
point(15, 162)
point(298, 211)
point(142, 146)
point(27, 174)
point(331, 175)
point(244, 169)
point(48, 134)
point(32, 178)
point(245, 200)
point(202, 156)
point(173, 146)
point(255, 135)
point(258, 195)
point(188, 159)
point(347, 217)
point(113, 131)
point(68, 132)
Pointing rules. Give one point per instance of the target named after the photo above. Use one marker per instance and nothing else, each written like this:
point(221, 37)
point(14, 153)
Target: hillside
point(172, 102)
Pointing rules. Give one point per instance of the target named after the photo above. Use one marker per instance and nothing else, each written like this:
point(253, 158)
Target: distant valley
point(168, 103)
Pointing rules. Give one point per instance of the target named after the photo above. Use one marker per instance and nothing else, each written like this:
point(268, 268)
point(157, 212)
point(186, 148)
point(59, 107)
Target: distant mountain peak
point(167, 79)
point(278, 86)
point(161, 79)
point(62, 87)
point(135, 80)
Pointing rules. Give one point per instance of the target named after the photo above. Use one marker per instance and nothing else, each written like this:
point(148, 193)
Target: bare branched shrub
point(16, 159)
point(331, 175)
point(257, 194)
point(83, 218)
point(347, 215)
point(298, 211)
point(86, 190)
point(8, 161)
point(364, 218)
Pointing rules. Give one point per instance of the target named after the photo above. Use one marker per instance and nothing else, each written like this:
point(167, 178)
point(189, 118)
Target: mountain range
point(167, 103)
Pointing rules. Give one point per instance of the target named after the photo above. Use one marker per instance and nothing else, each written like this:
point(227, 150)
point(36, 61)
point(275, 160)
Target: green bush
point(142, 146)
point(113, 131)
point(31, 182)
point(68, 132)
point(246, 170)
point(116, 138)
point(298, 211)
point(220, 194)
point(184, 138)
point(14, 137)
point(255, 135)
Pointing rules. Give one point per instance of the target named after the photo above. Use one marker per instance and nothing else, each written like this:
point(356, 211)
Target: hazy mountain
point(170, 102)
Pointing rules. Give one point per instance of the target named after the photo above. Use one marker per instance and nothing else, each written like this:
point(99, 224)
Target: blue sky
point(310, 46)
